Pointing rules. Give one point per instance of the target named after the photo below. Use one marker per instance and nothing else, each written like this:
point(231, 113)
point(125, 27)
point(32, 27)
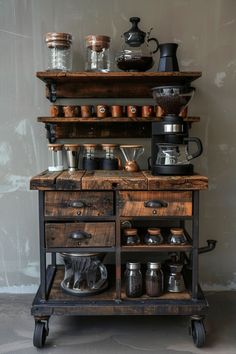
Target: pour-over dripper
point(131, 154)
point(173, 98)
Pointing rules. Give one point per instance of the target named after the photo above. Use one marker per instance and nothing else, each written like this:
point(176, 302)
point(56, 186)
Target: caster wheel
point(40, 334)
point(198, 333)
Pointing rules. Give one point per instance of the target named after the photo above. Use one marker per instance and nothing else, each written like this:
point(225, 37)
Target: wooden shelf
point(63, 120)
point(113, 84)
point(160, 248)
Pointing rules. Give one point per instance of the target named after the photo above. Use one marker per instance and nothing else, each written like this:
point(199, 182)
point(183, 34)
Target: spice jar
point(98, 53)
point(154, 279)
point(153, 237)
point(177, 237)
point(133, 280)
point(55, 157)
point(131, 237)
point(59, 51)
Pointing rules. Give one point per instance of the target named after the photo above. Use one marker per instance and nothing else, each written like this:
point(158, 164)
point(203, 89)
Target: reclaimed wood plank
point(110, 180)
point(44, 181)
point(69, 180)
point(107, 119)
point(194, 182)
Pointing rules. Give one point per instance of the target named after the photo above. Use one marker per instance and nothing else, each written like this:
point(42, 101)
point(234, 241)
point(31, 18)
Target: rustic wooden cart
point(100, 201)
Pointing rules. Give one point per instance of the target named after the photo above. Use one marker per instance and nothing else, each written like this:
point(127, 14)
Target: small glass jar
point(59, 51)
point(131, 237)
point(153, 237)
point(133, 280)
point(177, 237)
point(55, 157)
point(98, 53)
point(154, 279)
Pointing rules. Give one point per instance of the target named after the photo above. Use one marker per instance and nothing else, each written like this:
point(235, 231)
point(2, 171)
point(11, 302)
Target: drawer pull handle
point(155, 204)
point(77, 204)
point(79, 235)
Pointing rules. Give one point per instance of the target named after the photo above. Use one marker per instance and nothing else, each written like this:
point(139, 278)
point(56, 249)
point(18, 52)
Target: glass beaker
point(98, 53)
point(55, 157)
point(59, 51)
point(131, 154)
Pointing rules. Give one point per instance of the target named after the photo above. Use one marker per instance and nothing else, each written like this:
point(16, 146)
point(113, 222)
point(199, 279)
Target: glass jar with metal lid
point(154, 279)
point(133, 280)
point(177, 237)
point(153, 237)
point(59, 51)
point(98, 53)
point(131, 237)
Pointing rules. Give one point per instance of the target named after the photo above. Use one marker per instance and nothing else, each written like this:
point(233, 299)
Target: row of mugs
point(103, 110)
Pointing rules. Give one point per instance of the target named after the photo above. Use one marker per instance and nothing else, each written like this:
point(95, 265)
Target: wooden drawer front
point(80, 234)
point(78, 204)
point(155, 203)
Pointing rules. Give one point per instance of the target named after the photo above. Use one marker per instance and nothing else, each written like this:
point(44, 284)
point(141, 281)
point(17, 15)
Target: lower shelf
point(105, 304)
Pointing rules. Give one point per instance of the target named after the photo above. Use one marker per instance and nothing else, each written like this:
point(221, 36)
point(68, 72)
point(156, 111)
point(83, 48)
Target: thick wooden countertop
point(115, 180)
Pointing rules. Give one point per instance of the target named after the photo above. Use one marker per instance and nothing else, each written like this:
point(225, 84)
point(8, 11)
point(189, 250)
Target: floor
point(117, 335)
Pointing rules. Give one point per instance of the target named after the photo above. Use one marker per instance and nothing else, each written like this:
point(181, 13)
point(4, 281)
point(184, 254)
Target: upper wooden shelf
point(112, 84)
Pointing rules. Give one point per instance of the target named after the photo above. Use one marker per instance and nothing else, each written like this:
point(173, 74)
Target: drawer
point(78, 203)
point(80, 234)
point(161, 203)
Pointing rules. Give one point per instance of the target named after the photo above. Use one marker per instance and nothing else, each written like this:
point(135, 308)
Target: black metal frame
point(42, 306)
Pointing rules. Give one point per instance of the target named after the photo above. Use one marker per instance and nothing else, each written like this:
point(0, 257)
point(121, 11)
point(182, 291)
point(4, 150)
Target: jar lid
point(154, 265)
point(55, 147)
point(97, 42)
point(89, 145)
point(155, 231)
point(71, 147)
point(108, 146)
point(130, 232)
point(58, 39)
point(131, 146)
point(132, 266)
point(177, 231)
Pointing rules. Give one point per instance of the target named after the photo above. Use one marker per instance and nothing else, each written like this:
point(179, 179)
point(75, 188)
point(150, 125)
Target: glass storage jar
point(153, 237)
point(98, 53)
point(59, 51)
point(177, 237)
point(55, 157)
point(133, 280)
point(90, 161)
point(154, 279)
point(131, 237)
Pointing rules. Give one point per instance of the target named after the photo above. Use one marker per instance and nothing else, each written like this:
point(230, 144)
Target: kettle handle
point(199, 147)
point(157, 44)
point(103, 278)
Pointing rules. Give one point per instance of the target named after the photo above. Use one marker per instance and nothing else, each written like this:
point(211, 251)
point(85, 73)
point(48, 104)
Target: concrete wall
point(205, 32)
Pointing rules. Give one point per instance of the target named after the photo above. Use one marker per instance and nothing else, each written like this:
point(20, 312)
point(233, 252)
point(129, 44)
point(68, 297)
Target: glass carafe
point(131, 154)
point(177, 154)
point(98, 53)
point(136, 54)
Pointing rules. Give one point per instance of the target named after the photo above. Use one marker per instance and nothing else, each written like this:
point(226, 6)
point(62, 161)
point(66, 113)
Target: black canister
point(133, 280)
point(154, 279)
point(168, 60)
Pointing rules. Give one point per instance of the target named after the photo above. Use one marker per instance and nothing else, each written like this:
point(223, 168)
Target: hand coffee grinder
point(170, 150)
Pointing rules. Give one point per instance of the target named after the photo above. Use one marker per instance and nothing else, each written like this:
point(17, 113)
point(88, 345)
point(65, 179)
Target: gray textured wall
point(205, 32)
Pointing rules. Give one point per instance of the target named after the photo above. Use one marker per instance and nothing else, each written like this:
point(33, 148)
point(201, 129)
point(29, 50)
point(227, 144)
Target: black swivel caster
point(198, 333)
point(40, 333)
